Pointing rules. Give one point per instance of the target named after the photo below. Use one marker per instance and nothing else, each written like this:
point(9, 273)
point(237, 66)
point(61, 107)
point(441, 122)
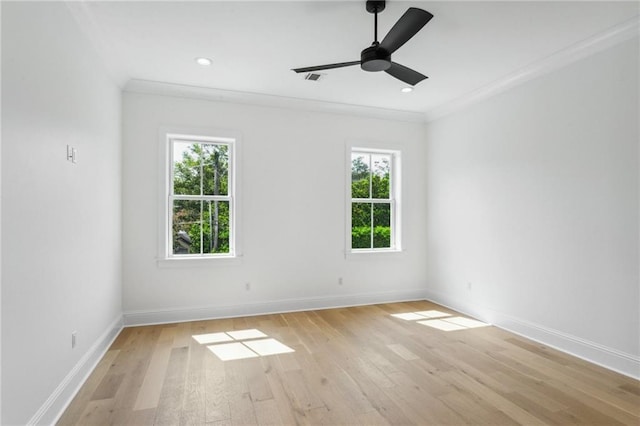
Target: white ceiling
point(466, 47)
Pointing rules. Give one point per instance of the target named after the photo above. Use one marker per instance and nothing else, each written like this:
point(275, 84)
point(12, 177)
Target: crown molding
point(257, 99)
point(599, 42)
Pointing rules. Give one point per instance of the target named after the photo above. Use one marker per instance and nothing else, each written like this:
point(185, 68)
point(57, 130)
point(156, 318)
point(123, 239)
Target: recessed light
point(205, 62)
point(407, 89)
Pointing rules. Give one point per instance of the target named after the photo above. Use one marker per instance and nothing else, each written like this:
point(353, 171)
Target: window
point(374, 200)
point(201, 206)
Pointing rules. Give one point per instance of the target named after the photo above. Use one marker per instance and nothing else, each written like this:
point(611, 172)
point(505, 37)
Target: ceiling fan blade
point(326, 67)
point(407, 26)
point(405, 74)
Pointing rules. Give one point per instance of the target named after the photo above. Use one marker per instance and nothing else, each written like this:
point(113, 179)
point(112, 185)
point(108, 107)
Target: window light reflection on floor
point(413, 316)
point(440, 320)
point(266, 347)
point(467, 322)
point(205, 339)
point(246, 334)
point(232, 351)
point(241, 344)
point(442, 325)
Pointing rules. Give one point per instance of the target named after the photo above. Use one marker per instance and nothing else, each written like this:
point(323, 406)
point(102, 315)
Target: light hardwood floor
point(351, 366)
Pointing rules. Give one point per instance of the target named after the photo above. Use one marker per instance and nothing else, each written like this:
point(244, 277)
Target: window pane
point(360, 225)
point(381, 225)
point(187, 226)
point(186, 168)
point(381, 168)
point(215, 227)
point(215, 166)
point(200, 222)
point(360, 174)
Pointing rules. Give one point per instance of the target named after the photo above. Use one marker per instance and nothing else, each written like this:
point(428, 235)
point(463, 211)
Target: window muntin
point(201, 204)
point(374, 203)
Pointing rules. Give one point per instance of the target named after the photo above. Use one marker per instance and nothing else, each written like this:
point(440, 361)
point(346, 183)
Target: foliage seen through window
point(201, 202)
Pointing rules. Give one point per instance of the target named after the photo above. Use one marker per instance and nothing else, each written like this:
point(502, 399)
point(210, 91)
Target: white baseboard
point(59, 400)
point(135, 318)
point(607, 357)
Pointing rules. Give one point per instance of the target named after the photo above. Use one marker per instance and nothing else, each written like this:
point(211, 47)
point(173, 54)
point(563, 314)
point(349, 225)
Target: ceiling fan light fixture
point(375, 58)
point(205, 62)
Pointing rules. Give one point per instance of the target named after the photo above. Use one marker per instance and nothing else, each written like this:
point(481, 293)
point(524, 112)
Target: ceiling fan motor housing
point(375, 58)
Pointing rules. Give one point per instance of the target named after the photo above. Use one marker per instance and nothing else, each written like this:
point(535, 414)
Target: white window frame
point(168, 136)
point(395, 195)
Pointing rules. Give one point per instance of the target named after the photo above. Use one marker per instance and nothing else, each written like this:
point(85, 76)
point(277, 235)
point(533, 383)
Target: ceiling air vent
point(313, 76)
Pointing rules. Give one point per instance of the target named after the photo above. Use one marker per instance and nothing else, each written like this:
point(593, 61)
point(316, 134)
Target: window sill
point(373, 254)
point(196, 262)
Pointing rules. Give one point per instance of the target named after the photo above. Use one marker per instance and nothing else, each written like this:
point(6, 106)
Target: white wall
point(533, 199)
point(60, 221)
point(0, 225)
point(293, 218)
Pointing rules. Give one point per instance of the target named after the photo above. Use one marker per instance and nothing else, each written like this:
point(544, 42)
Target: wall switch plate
point(73, 339)
point(72, 154)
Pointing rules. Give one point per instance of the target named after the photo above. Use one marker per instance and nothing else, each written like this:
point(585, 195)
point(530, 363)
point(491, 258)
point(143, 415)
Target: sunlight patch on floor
point(246, 334)
point(433, 314)
point(420, 315)
point(205, 339)
point(442, 325)
point(409, 316)
point(440, 320)
point(453, 323)
point(266, 347)
point(467, 322)
point(232, 351)
point(241, 344)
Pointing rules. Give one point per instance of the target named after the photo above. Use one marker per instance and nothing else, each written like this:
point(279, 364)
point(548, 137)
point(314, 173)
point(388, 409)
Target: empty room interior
point(320, 212)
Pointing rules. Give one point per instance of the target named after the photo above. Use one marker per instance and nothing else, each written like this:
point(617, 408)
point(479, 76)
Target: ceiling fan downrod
point(374, 58)
point(375, 6)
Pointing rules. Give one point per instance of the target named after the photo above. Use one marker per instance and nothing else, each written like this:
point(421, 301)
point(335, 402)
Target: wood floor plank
point(554, 371)
point(287, 411)
point(193, 405)
point(259, 388)
point(515, 412)
point(240, 403)
point(267, 412)
point(351, 366)
point(169, 407)
point(73, 413)
point(216, 402)
point(149, 393)
point(403, 352)
point(97, 412)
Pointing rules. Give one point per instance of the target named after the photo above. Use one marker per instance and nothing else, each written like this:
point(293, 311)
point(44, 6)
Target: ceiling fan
point(377, 57)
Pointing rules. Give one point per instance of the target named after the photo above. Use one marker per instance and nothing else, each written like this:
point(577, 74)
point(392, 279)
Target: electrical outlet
point(73, 339)
point(247, 286)
point(340, 282)
point(469, 286)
